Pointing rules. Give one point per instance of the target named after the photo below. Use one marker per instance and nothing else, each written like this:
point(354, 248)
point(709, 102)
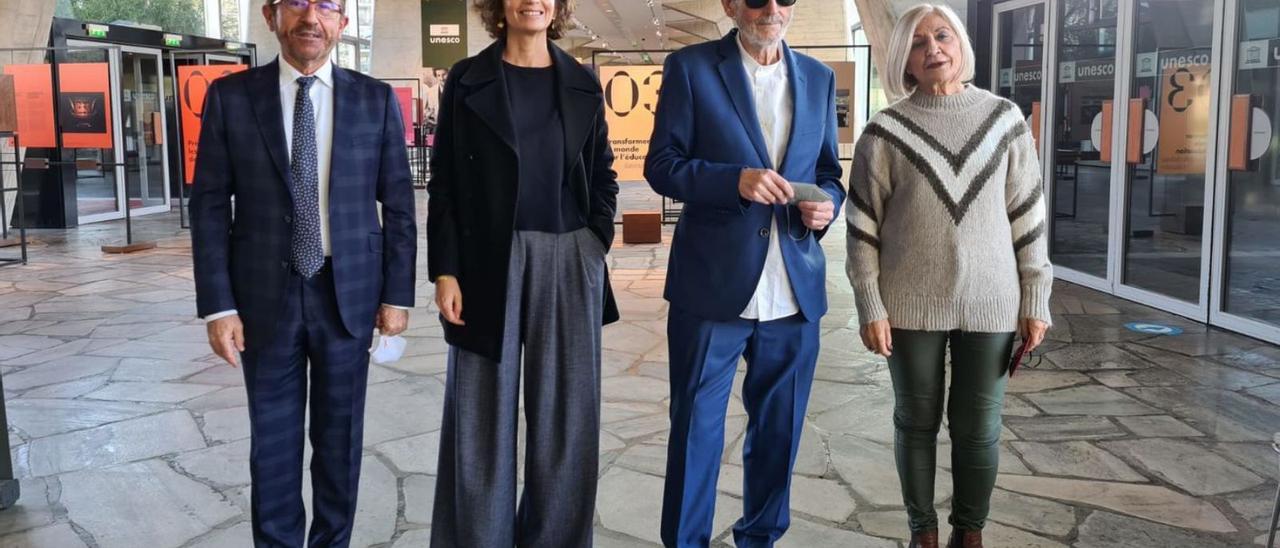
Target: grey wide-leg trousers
point(554, 311)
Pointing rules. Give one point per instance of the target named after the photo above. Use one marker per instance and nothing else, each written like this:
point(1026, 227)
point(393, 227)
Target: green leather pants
point(978, 376)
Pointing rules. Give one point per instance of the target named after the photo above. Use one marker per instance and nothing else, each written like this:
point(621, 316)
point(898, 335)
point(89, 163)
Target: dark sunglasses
point(757, 4)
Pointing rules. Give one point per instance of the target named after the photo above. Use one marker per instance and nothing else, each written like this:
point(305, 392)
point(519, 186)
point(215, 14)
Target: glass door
point(1080, 188)
point(1020, 56)
point(143, 124)
point(1169, 132)
point(99, 182)
point(1246, 292)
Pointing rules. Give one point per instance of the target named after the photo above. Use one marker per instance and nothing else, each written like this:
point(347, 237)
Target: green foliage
point(63, 9)
point(231, 20)
point(177, 16)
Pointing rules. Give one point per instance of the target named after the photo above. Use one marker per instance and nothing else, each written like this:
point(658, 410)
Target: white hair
point(896, 80)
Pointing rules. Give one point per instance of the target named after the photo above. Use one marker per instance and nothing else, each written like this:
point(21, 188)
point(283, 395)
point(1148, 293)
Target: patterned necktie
point(308, 251)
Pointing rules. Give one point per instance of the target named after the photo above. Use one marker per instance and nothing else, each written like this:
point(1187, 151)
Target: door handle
point(1137, 119)
point(1239, 134)
point(1105, 144)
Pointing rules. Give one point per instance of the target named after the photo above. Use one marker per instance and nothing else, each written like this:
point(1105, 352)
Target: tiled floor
point(126, 432)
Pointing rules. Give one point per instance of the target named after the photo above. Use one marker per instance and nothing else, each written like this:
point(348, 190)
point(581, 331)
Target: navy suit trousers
point(310, 343)
point(781, 356)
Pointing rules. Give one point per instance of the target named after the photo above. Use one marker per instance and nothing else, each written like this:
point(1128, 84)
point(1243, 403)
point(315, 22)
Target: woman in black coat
point(520, 217)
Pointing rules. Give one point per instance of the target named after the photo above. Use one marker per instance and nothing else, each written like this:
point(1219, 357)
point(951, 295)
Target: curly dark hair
point(492, 13)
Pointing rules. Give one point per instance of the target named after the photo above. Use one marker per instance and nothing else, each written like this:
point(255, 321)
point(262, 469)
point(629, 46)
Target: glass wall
point(1252, 250)
point(355, 51)
point(231, 18)
point(143, 126)
point(1020, 58)
point(1170, 107)
point(98, 192)
point(1164, 154)
point(1081, 126)
point(177, 16)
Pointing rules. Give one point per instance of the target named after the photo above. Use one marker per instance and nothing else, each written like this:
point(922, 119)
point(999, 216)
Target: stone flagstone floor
point(126, 432)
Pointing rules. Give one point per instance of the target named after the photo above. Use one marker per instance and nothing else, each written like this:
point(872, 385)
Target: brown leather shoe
point(924, 539)
point(962, 538)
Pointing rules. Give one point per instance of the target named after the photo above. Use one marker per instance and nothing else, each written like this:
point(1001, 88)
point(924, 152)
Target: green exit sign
point(95, 30)
point(173, 40)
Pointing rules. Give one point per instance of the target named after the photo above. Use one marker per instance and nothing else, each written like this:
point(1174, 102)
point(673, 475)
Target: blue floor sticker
point(1153, 328)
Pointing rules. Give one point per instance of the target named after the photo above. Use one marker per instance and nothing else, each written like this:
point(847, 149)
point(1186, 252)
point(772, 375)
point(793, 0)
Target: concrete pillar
point(822, 23)
point(260, 35)
point(25, 24)
point(878, 18)
point(397, 40)
point(477, 37)
point(711, 10)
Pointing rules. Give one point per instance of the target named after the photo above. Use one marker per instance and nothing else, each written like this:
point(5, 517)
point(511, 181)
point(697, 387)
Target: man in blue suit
point(296, 272)
point(737, 121)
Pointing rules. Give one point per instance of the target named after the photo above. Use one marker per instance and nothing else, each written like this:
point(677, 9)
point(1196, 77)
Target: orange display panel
point(1185, 118)
point(84, 105)
point(33, 99)
point(405, 97)
point(193, 84)
point(630, 100)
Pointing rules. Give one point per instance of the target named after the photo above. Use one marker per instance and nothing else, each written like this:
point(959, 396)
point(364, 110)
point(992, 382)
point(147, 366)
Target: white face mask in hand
point(388, 349)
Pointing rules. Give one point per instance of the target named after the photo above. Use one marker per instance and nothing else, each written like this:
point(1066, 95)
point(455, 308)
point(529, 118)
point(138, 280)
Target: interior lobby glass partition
point(1168, 131)
point(1161, 143)
point(1020, 59)
point(1247, 261)
point(1082, 136)
point(99, 187)
point(142, 117)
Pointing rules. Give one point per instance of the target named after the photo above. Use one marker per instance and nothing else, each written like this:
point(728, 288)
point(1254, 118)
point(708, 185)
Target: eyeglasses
point(325, 8)
point(757, 4)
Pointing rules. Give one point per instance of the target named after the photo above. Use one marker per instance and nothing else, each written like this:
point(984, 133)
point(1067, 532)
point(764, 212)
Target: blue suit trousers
point(781, 356)
point(310, 338)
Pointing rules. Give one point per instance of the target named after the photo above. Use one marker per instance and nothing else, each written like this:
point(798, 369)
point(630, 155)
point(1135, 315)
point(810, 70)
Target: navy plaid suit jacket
point(241, 247)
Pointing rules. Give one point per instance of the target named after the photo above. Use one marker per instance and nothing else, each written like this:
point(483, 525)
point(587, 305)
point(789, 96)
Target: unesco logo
point(445, 34)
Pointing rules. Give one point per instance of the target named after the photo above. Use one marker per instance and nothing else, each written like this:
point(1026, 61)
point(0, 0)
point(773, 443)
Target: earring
point(502, 24)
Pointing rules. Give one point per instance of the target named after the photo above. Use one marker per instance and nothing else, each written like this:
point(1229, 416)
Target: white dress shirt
point(771, 91)
point(321, 93)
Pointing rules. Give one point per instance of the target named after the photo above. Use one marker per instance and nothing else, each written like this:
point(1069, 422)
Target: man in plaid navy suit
point(296, 264)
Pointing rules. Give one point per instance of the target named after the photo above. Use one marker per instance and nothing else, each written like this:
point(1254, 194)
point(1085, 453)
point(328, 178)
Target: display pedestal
point(642, 228)
point(117, 249)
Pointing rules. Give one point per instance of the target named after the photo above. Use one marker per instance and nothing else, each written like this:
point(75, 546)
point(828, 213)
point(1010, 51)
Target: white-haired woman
point(946, 248)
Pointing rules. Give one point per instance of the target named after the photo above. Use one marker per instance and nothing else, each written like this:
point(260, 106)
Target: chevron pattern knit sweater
point(946, 220)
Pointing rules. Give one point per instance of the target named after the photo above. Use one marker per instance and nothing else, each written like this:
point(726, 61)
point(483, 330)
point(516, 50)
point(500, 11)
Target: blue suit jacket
point(242, 249)
point(705, 133)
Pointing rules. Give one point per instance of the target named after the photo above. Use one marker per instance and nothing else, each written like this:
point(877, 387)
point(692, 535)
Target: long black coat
point(472, 205)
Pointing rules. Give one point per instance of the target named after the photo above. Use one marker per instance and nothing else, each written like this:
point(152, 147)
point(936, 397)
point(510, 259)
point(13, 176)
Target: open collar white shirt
point(771, 92)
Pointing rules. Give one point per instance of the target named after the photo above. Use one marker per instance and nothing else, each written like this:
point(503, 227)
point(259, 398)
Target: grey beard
point(751, 38)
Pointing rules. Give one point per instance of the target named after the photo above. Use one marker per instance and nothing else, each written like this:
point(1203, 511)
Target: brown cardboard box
point(642, 228)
